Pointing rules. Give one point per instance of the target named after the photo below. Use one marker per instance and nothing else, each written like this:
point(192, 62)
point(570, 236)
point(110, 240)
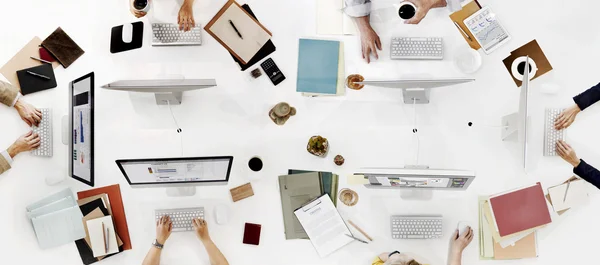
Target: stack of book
point(320, 68)
point(508, 223)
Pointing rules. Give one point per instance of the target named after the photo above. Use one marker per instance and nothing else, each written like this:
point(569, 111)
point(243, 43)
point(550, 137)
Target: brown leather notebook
point(116, 205)
point(252, 234)
point(62, 47)
point(460, 16)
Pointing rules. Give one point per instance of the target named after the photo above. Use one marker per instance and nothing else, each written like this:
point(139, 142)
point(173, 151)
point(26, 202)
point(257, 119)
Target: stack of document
point(320, 68)
point(56, 219)
point(571, 193)
point(508, 223)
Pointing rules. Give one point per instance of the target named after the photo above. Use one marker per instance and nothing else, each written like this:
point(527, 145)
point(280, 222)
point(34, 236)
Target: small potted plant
point(318, 145)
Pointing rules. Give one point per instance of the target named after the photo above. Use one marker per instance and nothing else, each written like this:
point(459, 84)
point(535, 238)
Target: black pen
point(236, 30)
point(38, 75)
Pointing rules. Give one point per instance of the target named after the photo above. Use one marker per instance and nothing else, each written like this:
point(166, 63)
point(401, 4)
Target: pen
point(104, 230)
point(236, 30)
point(360, 230)
point(566, 191)
point(463, 32)
point(359, 240)
point(38, 59)
point(38, 75)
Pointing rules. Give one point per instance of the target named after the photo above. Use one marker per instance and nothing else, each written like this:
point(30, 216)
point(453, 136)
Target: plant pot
point(317, 149)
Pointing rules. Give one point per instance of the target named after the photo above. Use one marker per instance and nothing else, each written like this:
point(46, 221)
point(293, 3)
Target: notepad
point(331, 19)
point(96, 234)
point(576, 196)
point(318, 66)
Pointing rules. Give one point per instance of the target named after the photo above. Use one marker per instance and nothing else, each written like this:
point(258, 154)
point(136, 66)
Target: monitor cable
point(415, 131)
point(178, 128)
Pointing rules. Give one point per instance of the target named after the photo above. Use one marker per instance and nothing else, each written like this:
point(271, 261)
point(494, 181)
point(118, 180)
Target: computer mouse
point(462, 227)
point(127, 32)
point(222, 214)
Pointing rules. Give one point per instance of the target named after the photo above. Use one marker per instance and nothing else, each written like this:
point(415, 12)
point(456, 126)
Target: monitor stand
point(416, 95)
point(510, 127)
point(59, 177)
point(181, 192)
point(168, 98)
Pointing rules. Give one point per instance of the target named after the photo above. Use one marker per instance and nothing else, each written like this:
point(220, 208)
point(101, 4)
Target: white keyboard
point(551, 135)
point(181, 218)
point(416, 226)
point(44, 130)
point(164, 34)
point(406, 48)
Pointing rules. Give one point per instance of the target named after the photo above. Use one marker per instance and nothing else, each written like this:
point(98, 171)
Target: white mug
point(406, 10)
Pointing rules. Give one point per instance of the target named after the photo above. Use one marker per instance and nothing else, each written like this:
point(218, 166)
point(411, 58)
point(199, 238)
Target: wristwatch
point(157, 245)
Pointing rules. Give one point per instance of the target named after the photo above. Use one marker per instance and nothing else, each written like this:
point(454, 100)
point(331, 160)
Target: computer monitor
point(166, 91)
point(81, 129)
point(515, 126)
point(416, 91)
point(417, 182)
point(183, 174)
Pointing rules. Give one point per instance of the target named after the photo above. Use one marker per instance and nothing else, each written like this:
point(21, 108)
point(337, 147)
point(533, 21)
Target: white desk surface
point(371, 127)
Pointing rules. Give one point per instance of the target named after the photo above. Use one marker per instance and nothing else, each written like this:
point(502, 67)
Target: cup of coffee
point(407, 10)
point(255, 164)
point(142, 5)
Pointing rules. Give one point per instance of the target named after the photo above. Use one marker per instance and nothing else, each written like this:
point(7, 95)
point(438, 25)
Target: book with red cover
point(118, 211)
point(520, 210)
point(252, 234)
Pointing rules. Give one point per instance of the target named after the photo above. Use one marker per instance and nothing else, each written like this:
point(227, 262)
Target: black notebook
point(267, 49)
point(31, 83)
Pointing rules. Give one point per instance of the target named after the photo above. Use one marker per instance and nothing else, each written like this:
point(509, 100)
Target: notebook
point(116, 203)
point(31, 83)
point(262, 53)
point(252, 234)
point(318, 66)
point(577, 195)
point(98, 233)
point(324, 225)
point(62, 47)
point(460, 16)
point(22, 60)
point(331, 19)
point(254, 34)
point(520, 210)
point(523, 248)
point(295, 191)
point(83, 246)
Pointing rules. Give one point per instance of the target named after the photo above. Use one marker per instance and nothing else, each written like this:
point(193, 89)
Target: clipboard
point(248, 44)
point(460, 16)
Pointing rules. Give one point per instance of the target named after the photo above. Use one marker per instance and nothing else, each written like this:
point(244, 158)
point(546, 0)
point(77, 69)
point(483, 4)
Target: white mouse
point(222, 214)
point(127, 32)
point(462, 227)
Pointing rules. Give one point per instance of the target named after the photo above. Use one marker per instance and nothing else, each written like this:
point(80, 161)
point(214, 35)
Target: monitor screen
point(82, 129)
point(169, 171)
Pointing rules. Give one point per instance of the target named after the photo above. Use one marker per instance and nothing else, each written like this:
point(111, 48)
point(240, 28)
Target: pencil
point(360, 230)
point(38, 59)
point(463, 32)
point(38, 75)
point(566, 191)
point(104, 237)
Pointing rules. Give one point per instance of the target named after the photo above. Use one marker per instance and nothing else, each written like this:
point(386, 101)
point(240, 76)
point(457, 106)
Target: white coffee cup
point(406, 10)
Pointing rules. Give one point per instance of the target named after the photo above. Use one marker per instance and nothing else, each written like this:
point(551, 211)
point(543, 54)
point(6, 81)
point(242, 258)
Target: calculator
point(487, 30)
point(272, 71)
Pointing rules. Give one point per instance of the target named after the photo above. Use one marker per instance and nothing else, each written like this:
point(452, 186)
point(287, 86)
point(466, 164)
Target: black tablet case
point(267, 49)
point(31, 83)
point(137, 38)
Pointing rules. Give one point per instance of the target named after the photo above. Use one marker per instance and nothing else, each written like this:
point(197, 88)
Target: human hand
point(164, 226)
point(185, 19)
point(29, 114)
point(369, 42)
point(567, 117)
point(26, 142)
point(134, 11)
point(459, 242)
point(201, 228)
point(423, 7)
point(567, 153)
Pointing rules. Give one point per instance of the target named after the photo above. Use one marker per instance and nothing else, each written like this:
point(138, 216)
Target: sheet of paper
point(97, 236)
point(324, 225)
point(357, 180)
point(486, 234)
point(59, 228)
point(253, 37)
point(576, 196)
point(330, 17)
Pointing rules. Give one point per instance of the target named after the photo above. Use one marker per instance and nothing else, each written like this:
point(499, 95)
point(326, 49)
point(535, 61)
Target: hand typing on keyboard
point(26, 142)
point(566, 152)
point(369, 39)
point(201, 228)
point(185, 18)
point(164, 227)
point(567, 117)
point(29, 114)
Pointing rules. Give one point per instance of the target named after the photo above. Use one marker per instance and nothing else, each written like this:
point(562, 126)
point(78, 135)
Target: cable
point(178, 128)
point(415, 129)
